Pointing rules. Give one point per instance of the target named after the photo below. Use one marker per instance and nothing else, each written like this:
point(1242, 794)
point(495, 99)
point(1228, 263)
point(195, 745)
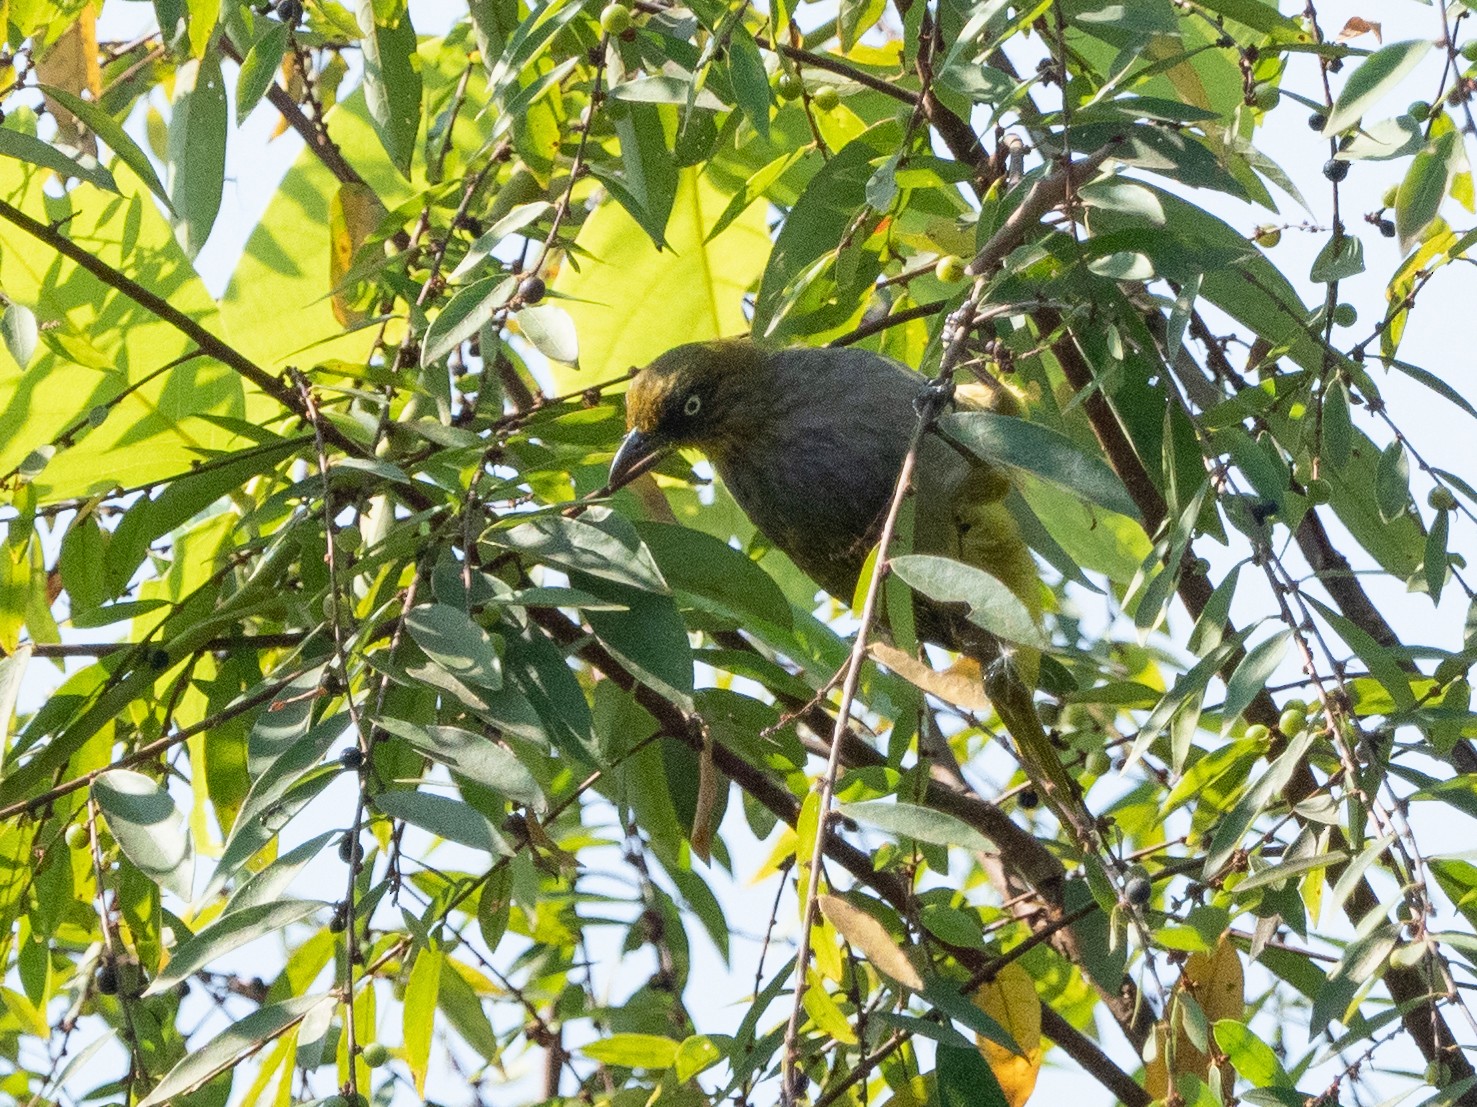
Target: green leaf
point(149, 828)
point(1342, 256)
point(992, 605)
point(634, 1051)
point(664, 90)
point(475, 756)
point(464, 315)
point(444, 817)
point(1425, 185)
point(813, 230)
point(32, 151)
point(197, 150)
point(551, 330)
point(750, 81)
point(698, 563)
point(1231, 830)
point(909, 820)
point(105, 127)
point(463, 1009)
point(392, 80)
point(18, 331)
point(963, 1079)
point(1251, 676)
point(1338, 431)
point(232, 1045)
point(1381, 661)
point(230, 931)
point(600, 543)
point(1392, 482)
point(1027, 447)
point(647, 187)
point(696, 1054)
point(1252, 1057)
point(259, 68)
point(452, 640)
point(1376, 76)
point(648, 637)
point(520, 216)
point(1436, 555)
point(1259, 15)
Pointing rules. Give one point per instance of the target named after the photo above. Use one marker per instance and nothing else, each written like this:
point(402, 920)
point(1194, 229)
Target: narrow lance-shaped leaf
point(149, 827)
point(197, 150)
point(392, 79)
point(1017, 444)
point(1376, 75)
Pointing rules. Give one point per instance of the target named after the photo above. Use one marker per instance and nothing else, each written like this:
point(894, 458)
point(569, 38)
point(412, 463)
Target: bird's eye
point(693, 405)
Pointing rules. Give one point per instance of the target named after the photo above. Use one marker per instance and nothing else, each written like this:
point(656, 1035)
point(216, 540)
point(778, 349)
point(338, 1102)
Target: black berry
point(1335, 170)
point(531, 290)
point(1137, 891)
point(1029, 799)
point(1387, 228)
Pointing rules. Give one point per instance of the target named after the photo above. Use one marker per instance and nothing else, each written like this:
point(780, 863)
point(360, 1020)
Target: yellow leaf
point(631, 302)
point(959, 685)
point(71, 63)
point(1217, 982)
point(868, 935)
point(826, 1013)
point(353, 214)
point(709, 791)
point(1010, 999)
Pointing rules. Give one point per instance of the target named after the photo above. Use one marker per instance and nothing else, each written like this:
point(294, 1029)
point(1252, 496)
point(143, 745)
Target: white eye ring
point(693, 405)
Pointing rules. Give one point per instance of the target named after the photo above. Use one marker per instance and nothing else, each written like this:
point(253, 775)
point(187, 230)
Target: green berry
point(1267, 97)
point(1345, 315)
point(826, 97)
point(949, 269)
point(1469, 50)
point(1335, 170)
point(77, 836)
point(1258, 733)
point(615, 19)
point(1441, 499)
point(1318, 491)
point(789, 86)
point(374, 1055)
point(1419, 110)
point(1292, 721)
point(1267, 236)
point(1097, 762)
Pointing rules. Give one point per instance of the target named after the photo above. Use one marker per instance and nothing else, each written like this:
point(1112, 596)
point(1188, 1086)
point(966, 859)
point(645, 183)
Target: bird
point(810, 442)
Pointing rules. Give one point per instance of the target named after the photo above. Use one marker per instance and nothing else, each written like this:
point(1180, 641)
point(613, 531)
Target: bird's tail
point(1011, 698)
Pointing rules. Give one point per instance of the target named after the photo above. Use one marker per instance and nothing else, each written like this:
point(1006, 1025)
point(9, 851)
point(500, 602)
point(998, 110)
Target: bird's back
point(817, 479)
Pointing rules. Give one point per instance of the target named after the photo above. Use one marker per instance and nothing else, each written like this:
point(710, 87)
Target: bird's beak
point(639, 451)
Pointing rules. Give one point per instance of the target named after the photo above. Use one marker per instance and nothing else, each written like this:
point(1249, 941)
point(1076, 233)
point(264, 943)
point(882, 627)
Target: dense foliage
point(357, 743)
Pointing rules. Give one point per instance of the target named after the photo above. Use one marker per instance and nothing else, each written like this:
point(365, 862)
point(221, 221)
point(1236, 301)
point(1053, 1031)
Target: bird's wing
point(962, 513)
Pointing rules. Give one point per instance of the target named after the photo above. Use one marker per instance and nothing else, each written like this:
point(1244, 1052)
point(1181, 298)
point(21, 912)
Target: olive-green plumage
point(810, 442)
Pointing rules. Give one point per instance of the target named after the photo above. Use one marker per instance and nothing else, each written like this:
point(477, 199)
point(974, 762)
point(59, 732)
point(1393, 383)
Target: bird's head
point(705, 394)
